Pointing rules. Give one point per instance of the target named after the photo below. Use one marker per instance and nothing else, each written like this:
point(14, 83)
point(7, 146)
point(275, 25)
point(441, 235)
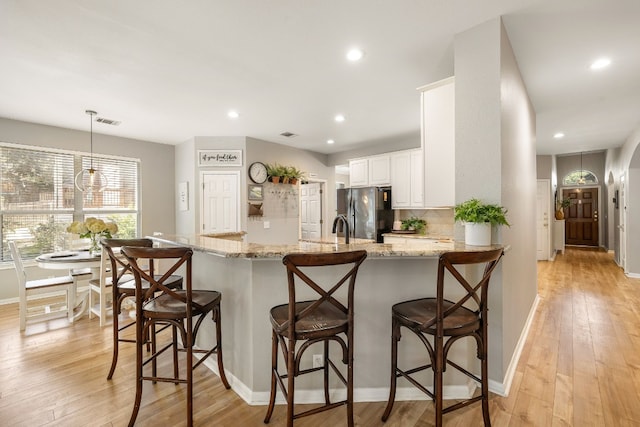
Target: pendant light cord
point(91, 138)
point(91, 113)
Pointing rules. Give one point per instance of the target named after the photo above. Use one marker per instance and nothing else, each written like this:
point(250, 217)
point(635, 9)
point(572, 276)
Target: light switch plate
point(267, 224)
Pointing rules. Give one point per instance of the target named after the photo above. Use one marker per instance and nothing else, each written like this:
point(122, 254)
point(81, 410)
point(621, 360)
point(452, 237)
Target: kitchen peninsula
point(252, 279)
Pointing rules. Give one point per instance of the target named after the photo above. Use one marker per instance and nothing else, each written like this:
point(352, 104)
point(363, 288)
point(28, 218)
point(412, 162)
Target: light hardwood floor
point(580, 367)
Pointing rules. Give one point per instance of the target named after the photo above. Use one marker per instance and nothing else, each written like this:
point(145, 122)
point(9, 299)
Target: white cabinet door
point(401, 179)
point(558, 235)
point(438, 143)
point(379, 170)
point(407, 179)
point(359, 172)
point(417, 179)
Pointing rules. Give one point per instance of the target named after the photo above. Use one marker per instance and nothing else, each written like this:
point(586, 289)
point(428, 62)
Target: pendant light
point(91, 180)
point(581, 181)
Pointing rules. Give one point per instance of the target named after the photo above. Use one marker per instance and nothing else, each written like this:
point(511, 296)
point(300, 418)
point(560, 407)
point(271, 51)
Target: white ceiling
point(171, 70)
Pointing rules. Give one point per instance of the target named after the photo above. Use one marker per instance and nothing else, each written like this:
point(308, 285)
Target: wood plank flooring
point(580, 367)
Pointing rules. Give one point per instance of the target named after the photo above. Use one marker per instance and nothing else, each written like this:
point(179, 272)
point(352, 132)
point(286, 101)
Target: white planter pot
point(477, 234)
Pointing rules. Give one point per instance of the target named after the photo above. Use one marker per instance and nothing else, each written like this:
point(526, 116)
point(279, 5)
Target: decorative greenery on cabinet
point(284, 174)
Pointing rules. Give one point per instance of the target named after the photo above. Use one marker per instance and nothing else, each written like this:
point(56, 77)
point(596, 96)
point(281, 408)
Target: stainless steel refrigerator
point(368, 211)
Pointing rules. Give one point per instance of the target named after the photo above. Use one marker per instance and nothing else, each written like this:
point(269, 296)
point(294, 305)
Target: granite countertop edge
point(254, 251)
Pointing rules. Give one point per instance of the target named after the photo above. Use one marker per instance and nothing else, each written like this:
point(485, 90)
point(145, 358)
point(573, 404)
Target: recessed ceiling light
point(558, 135)
point(233, 114)
point(339, 118)
point(600, 63)
point(355, 55)
point(330, 141)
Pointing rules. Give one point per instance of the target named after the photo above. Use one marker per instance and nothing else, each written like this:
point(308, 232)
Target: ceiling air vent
point(288, 134)
point(108, 121)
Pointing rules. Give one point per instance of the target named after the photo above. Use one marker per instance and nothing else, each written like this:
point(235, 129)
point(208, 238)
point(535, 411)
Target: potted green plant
point(294, 174)
point(561, 205)
point(276, 172)
point(478, 217)
point(414, 223)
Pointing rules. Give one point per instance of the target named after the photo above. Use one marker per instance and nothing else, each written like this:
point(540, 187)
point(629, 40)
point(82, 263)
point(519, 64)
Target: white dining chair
point(100, 291)
point(29, 288)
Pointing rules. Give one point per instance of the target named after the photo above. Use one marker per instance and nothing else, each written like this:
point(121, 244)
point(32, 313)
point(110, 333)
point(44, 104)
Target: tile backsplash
point(439, 221)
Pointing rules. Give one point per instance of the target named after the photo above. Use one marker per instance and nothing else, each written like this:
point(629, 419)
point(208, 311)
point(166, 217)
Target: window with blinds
point(38, 197)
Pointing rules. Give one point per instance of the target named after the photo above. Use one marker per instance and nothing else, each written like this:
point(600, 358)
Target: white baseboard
point(503, 388)
point(32, 297)
point(633, 275)
point(378, 394)
point(381, 394)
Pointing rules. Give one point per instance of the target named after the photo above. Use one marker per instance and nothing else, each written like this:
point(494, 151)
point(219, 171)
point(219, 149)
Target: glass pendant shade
point(91, 179)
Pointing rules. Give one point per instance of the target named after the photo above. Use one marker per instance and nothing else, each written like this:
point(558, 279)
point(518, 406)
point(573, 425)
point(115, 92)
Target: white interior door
point(220, 202)
point(542, 219)
point(311, 211)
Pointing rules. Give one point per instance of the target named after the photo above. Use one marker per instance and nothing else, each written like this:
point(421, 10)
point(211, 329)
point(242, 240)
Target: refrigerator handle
point(353, 221)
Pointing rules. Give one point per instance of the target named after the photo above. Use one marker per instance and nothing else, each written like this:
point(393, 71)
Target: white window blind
point(38, 197)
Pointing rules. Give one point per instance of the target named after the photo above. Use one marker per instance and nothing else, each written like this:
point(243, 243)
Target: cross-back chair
point(123, 287)
point(322, 320)
point(159, 303)
point(447, 318)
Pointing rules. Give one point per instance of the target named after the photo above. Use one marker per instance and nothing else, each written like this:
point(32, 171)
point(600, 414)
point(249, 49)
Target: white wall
point(284, 229)
point(187, 170)
point(386, 145)
point(156, 176)
point(495, 161)
point(185, 165)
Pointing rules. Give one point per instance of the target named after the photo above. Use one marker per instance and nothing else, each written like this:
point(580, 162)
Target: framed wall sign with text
point(219, 158)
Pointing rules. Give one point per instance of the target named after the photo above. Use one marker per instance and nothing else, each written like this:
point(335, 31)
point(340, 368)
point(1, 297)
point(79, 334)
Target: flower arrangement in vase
point(93, 229)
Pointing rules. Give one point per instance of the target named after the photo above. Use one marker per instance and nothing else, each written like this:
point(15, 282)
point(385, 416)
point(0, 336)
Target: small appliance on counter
point(368, 211)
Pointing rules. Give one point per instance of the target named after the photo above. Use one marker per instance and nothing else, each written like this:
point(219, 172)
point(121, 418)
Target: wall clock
point(258, 172)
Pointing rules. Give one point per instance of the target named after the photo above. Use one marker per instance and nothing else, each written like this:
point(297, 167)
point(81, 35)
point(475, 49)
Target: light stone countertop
point(236, 249)
point(417, 236)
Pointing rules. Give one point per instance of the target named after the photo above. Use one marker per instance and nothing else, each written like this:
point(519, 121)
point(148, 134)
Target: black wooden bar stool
point(452, 319)
point(317, 321)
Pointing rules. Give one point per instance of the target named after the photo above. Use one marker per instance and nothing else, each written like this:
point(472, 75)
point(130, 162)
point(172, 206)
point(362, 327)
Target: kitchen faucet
point(344, 226)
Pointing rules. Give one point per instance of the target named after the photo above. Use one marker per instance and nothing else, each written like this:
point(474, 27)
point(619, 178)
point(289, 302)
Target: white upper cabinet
point(374, 171)
point(417, 178)
point(407, 179)
point(438, 143)
point(379, 170)
point(359, 172)
point(401, 180)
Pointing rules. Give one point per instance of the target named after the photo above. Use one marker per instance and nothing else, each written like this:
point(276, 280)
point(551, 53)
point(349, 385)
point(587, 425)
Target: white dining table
point(73, 260)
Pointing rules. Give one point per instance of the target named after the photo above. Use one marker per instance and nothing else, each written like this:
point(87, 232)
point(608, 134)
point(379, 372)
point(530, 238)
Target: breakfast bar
point(252, 279)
